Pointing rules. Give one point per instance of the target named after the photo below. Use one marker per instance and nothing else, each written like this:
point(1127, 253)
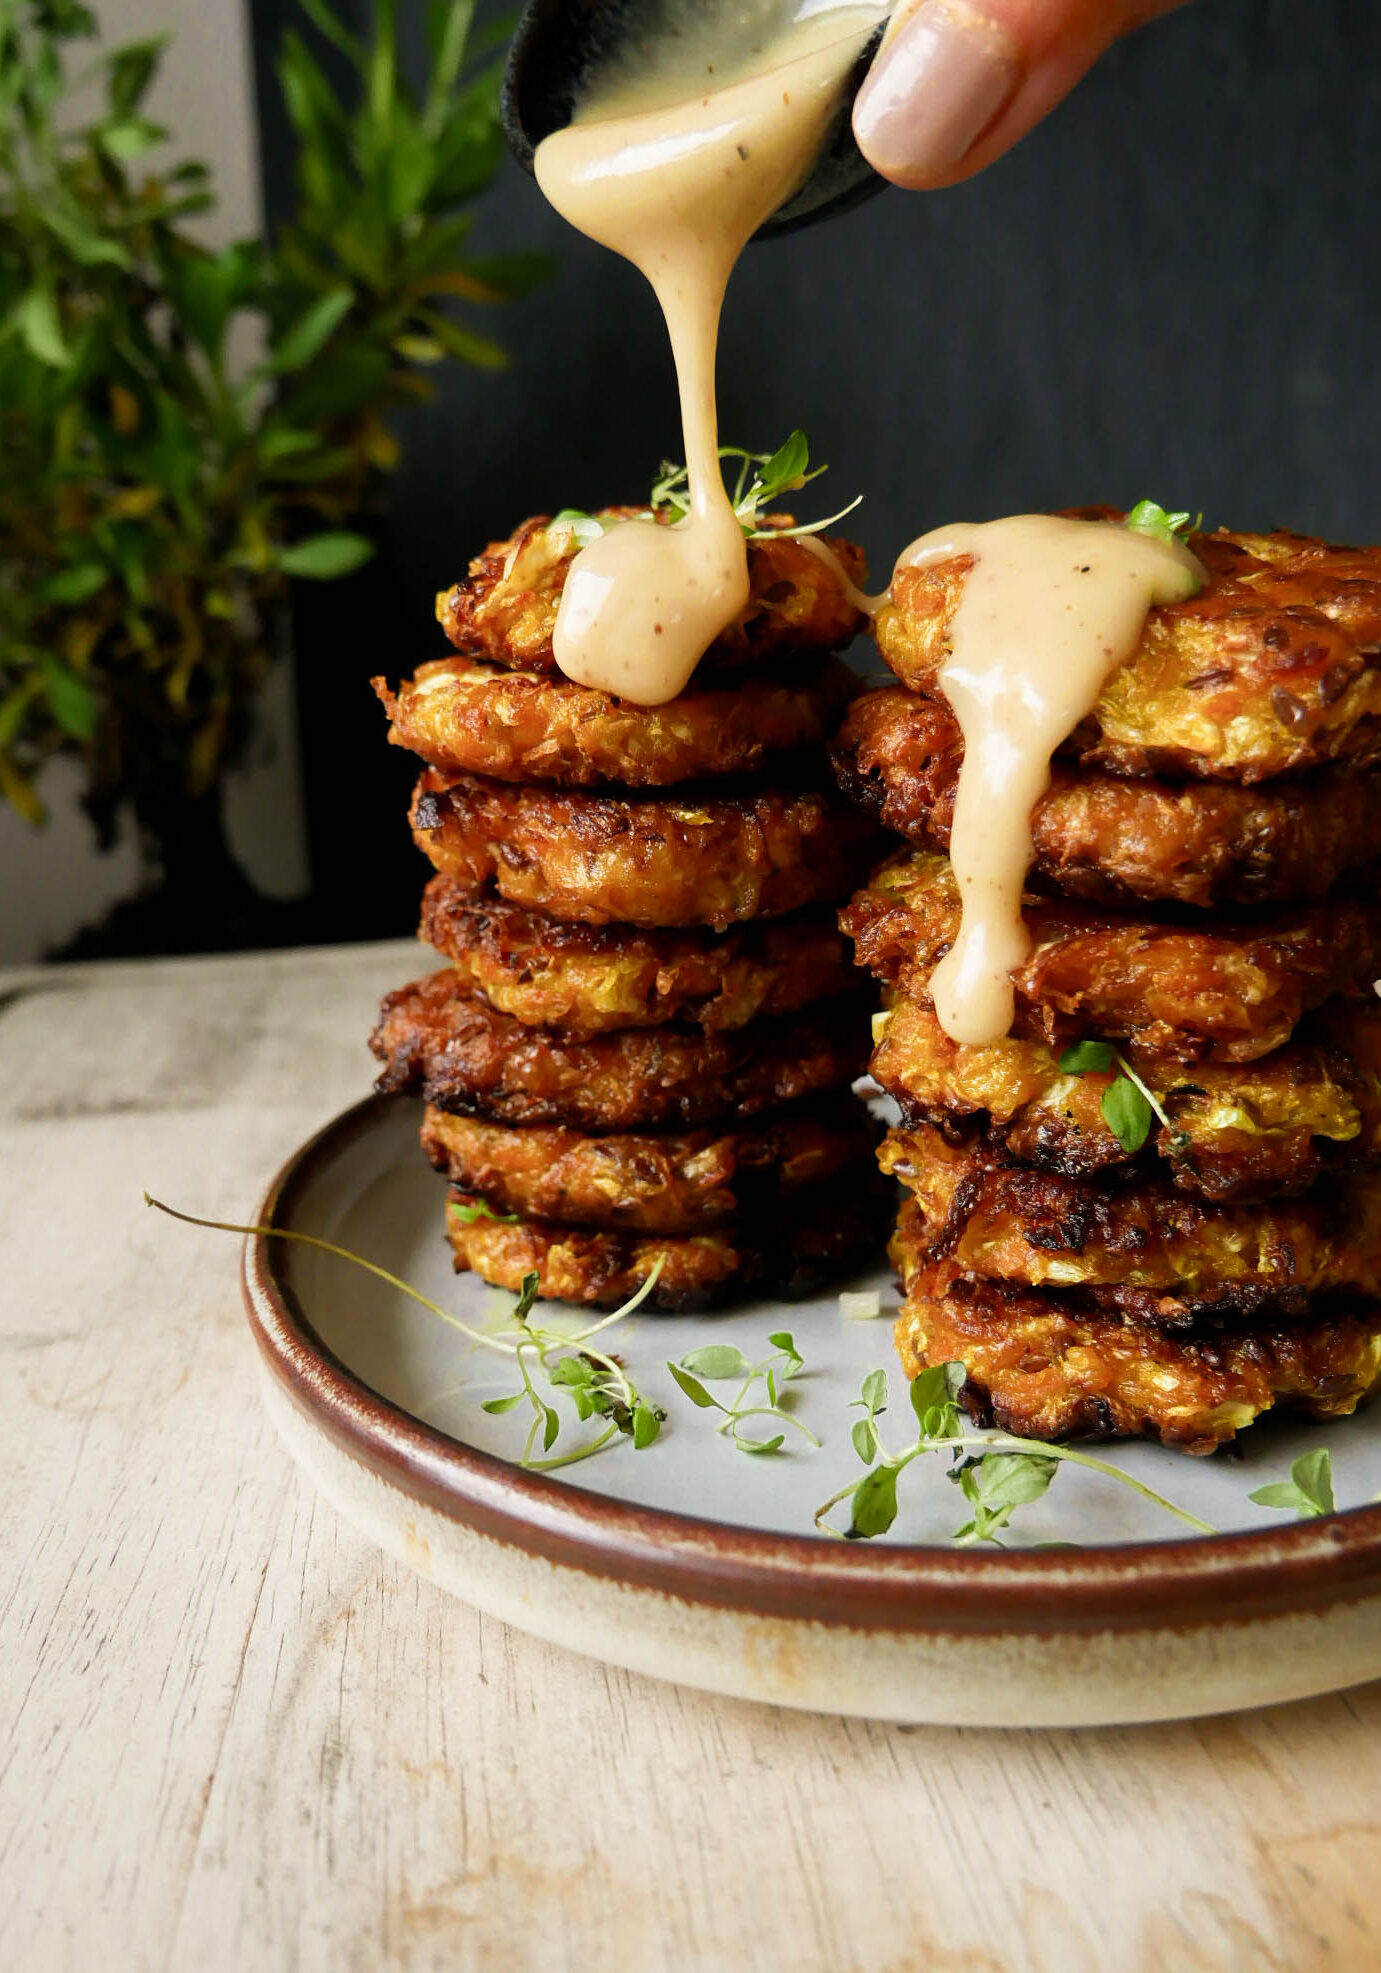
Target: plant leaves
point(758, 1446)
point(1127, 1114)
point(716, 1361)
point(934, 1399)
point(125, 138)
point(573, 1370)
point(874, 1392)
point(311, 332)
point(323, 557)
point(503, 1404)
point(862, 1436)
point(646, 1426)
point(873, 1506)
point(1085, 1058)
point(551, 1428)
point(1012, 1479)
point(132, 70)
point(41, 327)
point(75, 705)
point(77, 584)
point(694, 1390)
point(788, 464)
point(1309, 1489)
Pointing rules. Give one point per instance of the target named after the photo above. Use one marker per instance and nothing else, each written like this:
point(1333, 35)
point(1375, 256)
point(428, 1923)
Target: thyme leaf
point(1309, 1489)
point(1128, 1105)
point(725, 1362)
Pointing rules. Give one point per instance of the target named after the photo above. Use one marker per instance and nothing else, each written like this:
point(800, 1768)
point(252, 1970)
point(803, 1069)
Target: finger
point(955, 85)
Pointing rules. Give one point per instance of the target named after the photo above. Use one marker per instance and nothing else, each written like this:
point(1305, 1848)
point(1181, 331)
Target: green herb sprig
point(1148, 518)
point(1002, 1474)
point(762, 479)
point(481, 1209)
point(1128, 1106)
point(1309, 1489)
point(597, 1383)
point(722, 1362)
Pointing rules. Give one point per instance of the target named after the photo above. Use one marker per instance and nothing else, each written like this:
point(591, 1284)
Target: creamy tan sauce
point(679, 188)
point(1049, 609)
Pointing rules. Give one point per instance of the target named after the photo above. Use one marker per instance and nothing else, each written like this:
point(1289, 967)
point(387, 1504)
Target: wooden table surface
point(235, 1739)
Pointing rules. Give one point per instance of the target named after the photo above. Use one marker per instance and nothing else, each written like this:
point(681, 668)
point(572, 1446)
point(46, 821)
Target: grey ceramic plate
point(691, 1561)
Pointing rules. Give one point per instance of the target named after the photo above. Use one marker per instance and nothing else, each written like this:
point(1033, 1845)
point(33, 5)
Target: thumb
point(955, 85)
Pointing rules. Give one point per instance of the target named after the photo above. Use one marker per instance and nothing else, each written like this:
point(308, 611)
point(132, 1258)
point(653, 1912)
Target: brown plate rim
point(1156, 1586)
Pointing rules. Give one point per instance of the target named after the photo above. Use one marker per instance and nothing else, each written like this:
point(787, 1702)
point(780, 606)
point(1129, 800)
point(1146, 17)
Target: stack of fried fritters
point(644, 1043)
point(1200, 898)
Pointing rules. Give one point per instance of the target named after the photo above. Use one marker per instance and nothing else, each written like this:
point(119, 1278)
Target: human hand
point(955, 84)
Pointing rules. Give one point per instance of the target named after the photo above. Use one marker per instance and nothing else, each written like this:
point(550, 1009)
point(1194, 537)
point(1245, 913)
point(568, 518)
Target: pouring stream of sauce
point(679, 189)
point(678, 180)
point(1049, 609)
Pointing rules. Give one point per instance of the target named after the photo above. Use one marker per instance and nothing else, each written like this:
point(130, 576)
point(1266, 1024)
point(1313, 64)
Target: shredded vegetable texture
point(762, 479)
point(995, 1472)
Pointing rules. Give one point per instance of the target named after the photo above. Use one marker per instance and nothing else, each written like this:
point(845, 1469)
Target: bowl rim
point(1226, 1579)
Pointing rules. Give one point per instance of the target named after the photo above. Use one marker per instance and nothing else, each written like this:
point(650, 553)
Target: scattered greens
point(1128, 1106)
point(1147, 518)
point(597, 1384)
point(996, 1473)
point(1309, 1489)
point(481, 1209)
point(763, 478)
point(1001, 1474)
point(724, 1362)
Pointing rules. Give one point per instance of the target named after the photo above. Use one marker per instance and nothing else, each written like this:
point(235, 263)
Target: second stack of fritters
point(642, 1047)
point(1200, 901)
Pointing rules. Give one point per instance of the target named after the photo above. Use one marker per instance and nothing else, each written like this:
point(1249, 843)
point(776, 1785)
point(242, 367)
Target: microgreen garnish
point(763, 477)
point(481, 1209)
point(584, 528)
point(1147, 518)
point(1001, 1474)
point(1309, 1489)
point(725, 1362)
point(1128, 1106)
point(598, 1383)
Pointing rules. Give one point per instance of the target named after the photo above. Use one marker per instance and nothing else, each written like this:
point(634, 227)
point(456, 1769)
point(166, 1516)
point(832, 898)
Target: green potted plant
point(159, 492)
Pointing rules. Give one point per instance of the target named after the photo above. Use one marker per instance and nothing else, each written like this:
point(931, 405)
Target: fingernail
point(933, 90)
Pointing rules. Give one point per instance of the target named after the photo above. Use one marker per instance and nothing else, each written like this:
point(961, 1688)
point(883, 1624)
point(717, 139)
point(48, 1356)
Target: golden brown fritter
point(590, 979)
point(643, 859)
point(1043, 1368)
point(466, 717)
point(1275, 666)
point(1169, 990)
point(1101, 836)
point(505, 609)
point(1004, 1222)
point(682, 1183)
point(451, 1047)
point(822, 1235)
point(1244, 1131)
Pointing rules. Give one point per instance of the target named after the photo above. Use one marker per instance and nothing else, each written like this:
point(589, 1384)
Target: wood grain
point(234, 1738)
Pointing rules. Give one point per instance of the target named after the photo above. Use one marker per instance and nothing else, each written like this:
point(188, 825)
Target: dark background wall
point(1171, 289)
